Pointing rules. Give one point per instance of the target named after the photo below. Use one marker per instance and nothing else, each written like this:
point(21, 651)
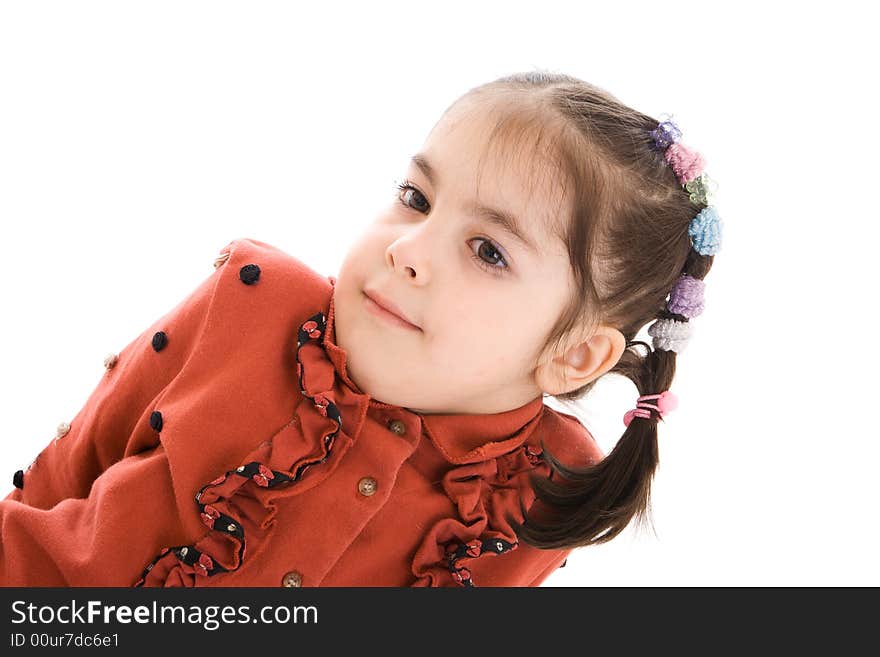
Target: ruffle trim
point(239, 502)
point(484, 494)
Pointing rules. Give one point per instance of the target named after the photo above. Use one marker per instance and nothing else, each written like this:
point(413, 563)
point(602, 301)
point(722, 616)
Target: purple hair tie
point(666, 133)
point(686, 297)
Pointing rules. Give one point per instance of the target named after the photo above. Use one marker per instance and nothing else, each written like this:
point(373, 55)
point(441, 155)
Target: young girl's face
point(483, 300)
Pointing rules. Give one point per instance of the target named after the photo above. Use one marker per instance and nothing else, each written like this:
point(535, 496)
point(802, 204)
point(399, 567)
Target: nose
point(410, 254)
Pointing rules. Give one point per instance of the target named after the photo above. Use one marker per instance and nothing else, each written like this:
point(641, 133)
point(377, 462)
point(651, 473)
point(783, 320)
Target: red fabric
point(114, 501)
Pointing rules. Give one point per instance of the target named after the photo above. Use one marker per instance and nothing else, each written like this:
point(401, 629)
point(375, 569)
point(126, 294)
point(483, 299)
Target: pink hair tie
point(687, 163)
point(666, 402)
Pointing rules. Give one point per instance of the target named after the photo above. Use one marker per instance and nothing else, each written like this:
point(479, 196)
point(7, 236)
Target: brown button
point(397, 427)
point(223, 257)
point(291, 579)
point(367, 486)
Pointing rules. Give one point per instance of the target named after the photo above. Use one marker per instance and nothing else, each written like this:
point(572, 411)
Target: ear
point(581, 363)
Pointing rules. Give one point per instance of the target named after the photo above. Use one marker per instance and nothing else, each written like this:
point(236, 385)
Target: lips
point(390, 306)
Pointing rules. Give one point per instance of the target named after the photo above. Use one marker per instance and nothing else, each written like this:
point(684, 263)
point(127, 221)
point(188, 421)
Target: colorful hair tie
point(666, 133)
point(686, 163)
point(687, 296)
point(666, 402)
point(705, 232)
point(699, 188)
point(670, 334)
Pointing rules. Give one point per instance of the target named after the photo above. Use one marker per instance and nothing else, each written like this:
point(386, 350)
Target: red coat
point(227, 446)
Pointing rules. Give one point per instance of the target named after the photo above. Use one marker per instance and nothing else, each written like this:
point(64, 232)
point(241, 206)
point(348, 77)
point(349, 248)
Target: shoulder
point(568, 439)
point(264, 258)
point(256, 276)
point(247, 310)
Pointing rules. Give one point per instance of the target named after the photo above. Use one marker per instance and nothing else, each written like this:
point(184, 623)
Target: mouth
point(386, 310)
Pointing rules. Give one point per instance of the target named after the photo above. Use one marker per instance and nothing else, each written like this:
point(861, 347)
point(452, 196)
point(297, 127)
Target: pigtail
point(593, 505)
point(577, 507)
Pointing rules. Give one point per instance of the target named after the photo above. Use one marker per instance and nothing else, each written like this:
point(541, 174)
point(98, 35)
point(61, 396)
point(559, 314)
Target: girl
point(386, 427)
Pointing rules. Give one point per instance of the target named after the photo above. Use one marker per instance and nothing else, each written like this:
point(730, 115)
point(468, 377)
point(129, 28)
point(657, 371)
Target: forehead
point(490, 159)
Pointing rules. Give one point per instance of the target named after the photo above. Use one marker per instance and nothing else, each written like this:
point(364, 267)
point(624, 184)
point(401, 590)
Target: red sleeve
point(90, 541)
point(115, 421)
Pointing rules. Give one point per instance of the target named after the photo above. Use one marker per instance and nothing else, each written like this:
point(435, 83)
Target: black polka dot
point(249, 274)
point(160, 340)
point(156, 420)
point(18, 479)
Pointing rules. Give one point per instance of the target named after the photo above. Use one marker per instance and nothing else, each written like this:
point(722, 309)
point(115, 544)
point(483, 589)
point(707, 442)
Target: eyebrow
point(504, 220)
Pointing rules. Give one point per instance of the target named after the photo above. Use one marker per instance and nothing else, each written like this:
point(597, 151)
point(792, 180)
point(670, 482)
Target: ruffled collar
point(460, 438)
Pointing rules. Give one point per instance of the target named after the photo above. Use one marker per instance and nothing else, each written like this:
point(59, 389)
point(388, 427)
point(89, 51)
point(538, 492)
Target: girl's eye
point(406, 193)
point(405, 187)
point(491, 268)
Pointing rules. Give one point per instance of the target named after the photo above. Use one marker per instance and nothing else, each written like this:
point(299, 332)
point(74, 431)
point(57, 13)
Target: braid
point(672, 329)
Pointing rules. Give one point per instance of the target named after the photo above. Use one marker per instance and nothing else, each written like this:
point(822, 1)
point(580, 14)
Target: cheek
point(360, 259)
point(474, 325)
point(505, 332)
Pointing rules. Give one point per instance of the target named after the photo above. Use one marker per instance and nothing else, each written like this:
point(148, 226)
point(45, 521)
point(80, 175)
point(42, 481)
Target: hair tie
point(686, 297)
point(705, 232)
point(666, 402)
point(701, 189)
point(665, 133)
point(670, 334)
point(685, 162)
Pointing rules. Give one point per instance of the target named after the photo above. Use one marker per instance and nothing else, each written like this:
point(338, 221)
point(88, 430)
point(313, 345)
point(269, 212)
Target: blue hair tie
point(705, 231)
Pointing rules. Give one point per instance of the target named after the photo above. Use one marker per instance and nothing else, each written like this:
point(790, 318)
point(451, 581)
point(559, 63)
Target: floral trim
point(533, 454)
point(254, 473)
point(471, 550)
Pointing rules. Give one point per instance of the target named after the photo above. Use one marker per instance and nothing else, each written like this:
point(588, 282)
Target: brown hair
point(628, 242)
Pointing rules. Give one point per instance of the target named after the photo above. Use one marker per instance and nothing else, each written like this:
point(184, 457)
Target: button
point(249, 274)
point(62, 430)
point(397, 427)
point(367, 486)
point(160, 339)
point(18, 479)
point(223, 257)
point(110, 360)
point(292, 579)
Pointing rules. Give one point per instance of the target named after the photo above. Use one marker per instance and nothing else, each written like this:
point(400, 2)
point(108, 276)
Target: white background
point(137, 139)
